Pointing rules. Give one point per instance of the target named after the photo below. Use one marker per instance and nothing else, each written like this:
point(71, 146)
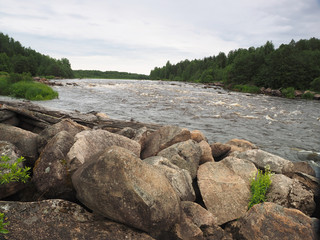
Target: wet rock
point(179, 179)
point(206, 155)
point(198, 136)
point(291, 194)
point(9, 150)
point(219, 150)
point(50, 174)
point(121, 187)
point(225, 194)
point(261, 159)
point(309, 155)
point(58, 219)
point(91, 143)
point(163, 138)
point(185, 155)
point(25, 141)
point(272, 221)
point(240, 145)
point(304, 167)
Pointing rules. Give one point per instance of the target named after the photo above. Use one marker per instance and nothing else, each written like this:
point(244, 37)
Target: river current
point(281, 126)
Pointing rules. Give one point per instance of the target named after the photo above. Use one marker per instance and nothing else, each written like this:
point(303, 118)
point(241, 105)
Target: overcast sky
point(136, 36)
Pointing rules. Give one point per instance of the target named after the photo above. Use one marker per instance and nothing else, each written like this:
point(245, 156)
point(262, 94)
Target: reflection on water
point(276, 125)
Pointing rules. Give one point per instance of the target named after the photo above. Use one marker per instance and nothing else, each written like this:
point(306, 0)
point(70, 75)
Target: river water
point(281, 126)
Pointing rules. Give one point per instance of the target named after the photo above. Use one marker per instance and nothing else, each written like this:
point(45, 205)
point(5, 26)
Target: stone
point(123, 188)
point(58, 219)
point(141, 136)
point(240, 145)
point(6, 114)
point(206, 152)
point(25, 141)
point(298, 93)
point(198, 136)
point(127, 132)
point(179, 179)
point(163, 138)
point(9, 150)
point(90, 144)
point(310, 182)
point(261, 159)
point(316, 96)
point(102, 116)
point(272, 221)
point(219, 150)
point(185, 155)
point(50, 174)
point(225, 194)
point(304, 167)
point(186, 229)
point(291, 193)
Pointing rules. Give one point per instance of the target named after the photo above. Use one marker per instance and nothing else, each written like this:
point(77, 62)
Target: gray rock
point(122, 187)
point(6, 114)
point(179, 179)
point(185, 155)
point(163, 138)
point(206, 155)
point(219, 150)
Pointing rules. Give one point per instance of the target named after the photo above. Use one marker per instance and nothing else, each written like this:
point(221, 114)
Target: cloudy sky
point(136, 36)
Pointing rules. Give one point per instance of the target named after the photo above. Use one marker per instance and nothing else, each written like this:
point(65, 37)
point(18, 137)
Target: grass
point(288, 92)
point(259, 186)
point(246, 88)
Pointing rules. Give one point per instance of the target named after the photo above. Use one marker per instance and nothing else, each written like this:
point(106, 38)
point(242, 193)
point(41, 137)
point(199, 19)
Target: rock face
point(25, 141)
point(179, 179)
point(90, 144)
point(163, 138)
point(185, 155)
point(58, 219)
point(291, 193)
point(50, 174)
point(219, 150)
point(271, 221)
point(123, 188)
point(198, 136)
point(240, 145)
point(261, 159)
point(206, 155)
point(225, 194)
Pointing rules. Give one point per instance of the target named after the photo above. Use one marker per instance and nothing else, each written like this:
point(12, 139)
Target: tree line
point(296, 65)
point(108, 74)
point(14, 58)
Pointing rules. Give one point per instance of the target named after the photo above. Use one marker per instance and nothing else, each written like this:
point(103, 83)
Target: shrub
point(33, 91)
point(288, 92)
point(308, 95)
point(315, 84)
point(259, 186)
point(4, 86)
point(246, 88)
point(15, 174)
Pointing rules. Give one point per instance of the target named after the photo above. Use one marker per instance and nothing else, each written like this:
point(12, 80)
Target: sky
point(137, 36)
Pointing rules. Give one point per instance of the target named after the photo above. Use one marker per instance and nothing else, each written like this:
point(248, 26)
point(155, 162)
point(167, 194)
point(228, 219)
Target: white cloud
point(138, 35)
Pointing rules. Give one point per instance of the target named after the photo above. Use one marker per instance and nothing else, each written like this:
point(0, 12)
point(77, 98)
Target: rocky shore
point(98, 178)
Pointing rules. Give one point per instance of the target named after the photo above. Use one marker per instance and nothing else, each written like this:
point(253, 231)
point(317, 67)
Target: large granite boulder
point(163, 138)
point(25, 141)
point(219, 150)
point(261, 159)
point(206, 155)
point(272, 221)
point(50, 174)
point(122, 187)
point(198, 136)
point(90, 144)
point(185, 155)
point(240, 145)
point(225, 194)
point(291, 193)
point(11, 151)
point(58, 219)
point(179, 179)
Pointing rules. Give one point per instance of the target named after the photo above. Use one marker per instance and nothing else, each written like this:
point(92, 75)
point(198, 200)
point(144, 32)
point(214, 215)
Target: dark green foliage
point(259, 186)
point(107, 74)
point(308, 95)
point(18, 59)
point(296, 65)
point(315, 84)
point(288, 92)
point(246, 88)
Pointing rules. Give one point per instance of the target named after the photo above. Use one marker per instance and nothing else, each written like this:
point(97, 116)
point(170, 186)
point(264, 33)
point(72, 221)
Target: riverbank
point(162, 181)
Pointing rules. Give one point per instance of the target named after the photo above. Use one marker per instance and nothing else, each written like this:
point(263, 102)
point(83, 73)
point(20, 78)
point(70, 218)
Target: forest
point(14, 58)
point(108, 74)
point(295, 65)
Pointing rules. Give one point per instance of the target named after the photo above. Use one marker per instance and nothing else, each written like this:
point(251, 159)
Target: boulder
point(291, 193)
point(91, 143)
point(58, 219)
point(127, 132)
point(163, 138)
point(25, 141)
point(179, 179)
point(219, 150)
point(261, 159)
point(50, 174)
point(185, 229)
point(225, 194)
point(310, 182)
point(9, 150)
point(141, 136)
point(316, 96)
point(185, 155)
point(240, 145)
point(272, 221)
point(123, 188)
point(198, 136)
point(298, 93)
point(8, 117)
point(206, 152)
point(304, 167)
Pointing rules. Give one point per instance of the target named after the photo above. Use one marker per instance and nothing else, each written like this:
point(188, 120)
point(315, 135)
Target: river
point(281, 126)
